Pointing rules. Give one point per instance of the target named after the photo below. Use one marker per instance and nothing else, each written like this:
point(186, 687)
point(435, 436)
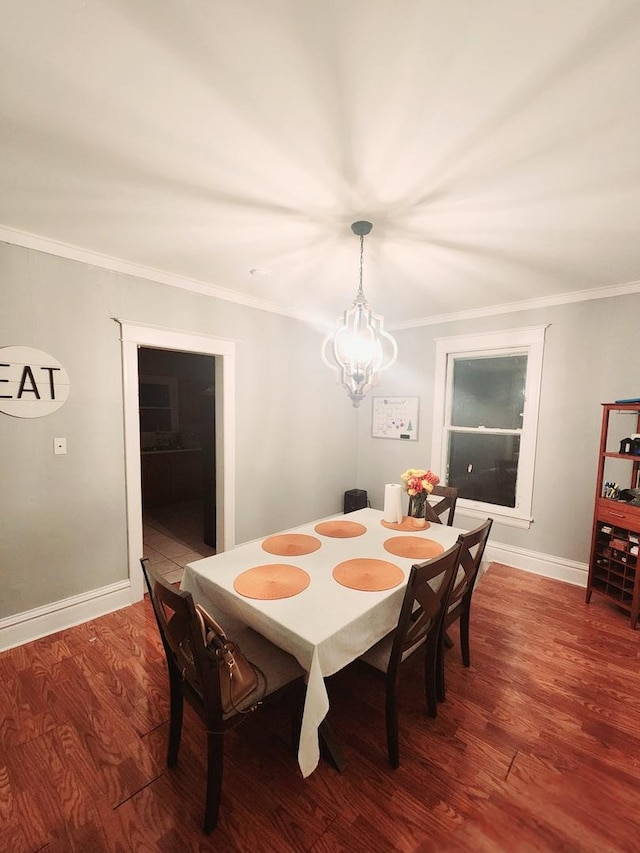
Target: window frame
point(171, 383)
point(528, 341)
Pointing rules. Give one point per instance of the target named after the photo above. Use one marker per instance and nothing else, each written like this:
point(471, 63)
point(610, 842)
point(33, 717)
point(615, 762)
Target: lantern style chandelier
point(359, 349)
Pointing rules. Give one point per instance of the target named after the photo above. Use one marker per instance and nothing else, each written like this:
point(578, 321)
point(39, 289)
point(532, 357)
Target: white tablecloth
point(327, 625)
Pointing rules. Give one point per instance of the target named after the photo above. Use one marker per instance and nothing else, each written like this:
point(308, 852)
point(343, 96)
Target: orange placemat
point(340, 529)
point(368, 574)
point(291, 544)
point(415, 547)
point(407, 523)
point(275, 580)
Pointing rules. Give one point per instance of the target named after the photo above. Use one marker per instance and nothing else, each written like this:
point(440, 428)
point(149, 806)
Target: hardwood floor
point(537, 747)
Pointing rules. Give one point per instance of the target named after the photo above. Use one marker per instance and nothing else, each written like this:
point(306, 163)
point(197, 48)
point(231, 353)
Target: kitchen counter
point(171, 475)
point(171, 450)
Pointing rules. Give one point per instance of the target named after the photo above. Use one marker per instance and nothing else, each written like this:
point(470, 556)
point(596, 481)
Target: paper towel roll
point(392, 503)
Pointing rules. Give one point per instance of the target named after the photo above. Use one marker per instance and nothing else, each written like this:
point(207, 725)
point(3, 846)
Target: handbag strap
point(213, 634)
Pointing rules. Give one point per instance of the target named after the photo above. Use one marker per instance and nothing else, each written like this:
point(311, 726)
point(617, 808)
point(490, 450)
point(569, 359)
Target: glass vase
point(418, 510)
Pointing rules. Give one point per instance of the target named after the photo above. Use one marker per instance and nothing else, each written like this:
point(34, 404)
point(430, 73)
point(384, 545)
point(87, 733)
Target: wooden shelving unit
point(613, 566)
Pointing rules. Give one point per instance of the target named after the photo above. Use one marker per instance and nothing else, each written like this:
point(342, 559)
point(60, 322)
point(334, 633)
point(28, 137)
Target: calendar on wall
point(395, 417)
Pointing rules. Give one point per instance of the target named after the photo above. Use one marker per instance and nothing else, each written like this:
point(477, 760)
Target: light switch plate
point(59, 446)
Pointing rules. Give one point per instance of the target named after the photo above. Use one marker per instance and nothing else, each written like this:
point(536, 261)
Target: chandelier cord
point(360, 290)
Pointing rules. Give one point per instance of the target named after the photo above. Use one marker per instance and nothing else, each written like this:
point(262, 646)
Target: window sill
point(492, 511)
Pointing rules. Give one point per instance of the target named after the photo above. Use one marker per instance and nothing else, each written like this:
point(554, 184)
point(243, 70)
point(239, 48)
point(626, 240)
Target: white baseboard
point(59, 615)
point(568, 571)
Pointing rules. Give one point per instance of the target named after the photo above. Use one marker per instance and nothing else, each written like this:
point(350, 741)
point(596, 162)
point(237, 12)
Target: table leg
point(330, 748)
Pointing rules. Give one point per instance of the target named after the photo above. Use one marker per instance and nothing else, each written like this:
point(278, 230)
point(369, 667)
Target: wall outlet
point(59, 446)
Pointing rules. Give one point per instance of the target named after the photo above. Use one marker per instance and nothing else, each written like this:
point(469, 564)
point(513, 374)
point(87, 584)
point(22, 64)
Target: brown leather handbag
point(239, 677)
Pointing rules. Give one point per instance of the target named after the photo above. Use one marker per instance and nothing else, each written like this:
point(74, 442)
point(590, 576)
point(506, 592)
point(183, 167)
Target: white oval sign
point(32, 382)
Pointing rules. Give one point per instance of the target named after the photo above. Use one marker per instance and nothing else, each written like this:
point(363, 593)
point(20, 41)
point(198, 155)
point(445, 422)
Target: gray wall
point(299, 442)
point(591, 356)
point(63, 521)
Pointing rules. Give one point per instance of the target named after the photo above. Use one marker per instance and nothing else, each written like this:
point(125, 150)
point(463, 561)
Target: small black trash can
point(355, 499)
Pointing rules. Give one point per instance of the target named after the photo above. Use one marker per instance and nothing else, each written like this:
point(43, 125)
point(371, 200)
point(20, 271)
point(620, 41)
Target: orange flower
point(418, 480)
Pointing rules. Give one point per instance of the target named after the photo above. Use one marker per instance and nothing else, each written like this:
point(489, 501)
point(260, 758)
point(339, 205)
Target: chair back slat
point(423, 604)
point(184, 646)
point(435, 511)
point(472, 547)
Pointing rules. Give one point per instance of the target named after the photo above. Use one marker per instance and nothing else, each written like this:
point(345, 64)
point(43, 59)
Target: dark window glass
point(484, 467)
point(489, 392)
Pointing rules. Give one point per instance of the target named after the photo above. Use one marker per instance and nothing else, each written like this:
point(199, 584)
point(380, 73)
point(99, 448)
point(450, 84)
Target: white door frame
point(134, 335)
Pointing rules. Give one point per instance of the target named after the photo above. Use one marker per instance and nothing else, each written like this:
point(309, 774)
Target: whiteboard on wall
point(395, 417)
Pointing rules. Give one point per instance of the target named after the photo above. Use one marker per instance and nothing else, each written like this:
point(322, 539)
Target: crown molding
point(74, 253)
point(524, 305)
point(108, 262)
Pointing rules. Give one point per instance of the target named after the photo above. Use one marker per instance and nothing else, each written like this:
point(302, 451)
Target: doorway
point(137, 335)
point(176, 393)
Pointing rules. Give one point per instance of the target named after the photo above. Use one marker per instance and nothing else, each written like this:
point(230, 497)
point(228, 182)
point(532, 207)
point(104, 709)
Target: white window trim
point(529, 340)
point(134, 335)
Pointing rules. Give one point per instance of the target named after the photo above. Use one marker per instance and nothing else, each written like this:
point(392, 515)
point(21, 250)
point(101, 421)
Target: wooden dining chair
point(435, 510)
point(193, 675)
point(419, 625)
point(472, 547)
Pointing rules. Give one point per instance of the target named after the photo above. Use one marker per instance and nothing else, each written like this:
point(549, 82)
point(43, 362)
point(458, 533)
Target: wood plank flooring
point(536, 750)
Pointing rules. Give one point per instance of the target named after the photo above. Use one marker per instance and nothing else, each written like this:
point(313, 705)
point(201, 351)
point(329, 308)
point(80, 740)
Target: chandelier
point(359, 349)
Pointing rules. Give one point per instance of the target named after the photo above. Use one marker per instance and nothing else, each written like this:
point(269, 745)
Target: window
point(487, 390)
point(158, 404)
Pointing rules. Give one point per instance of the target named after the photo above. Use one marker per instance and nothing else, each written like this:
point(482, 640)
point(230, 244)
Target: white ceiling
point(494, 144)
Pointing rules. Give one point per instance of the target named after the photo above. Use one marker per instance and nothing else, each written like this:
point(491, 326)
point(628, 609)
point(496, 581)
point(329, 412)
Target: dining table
point(325, 592)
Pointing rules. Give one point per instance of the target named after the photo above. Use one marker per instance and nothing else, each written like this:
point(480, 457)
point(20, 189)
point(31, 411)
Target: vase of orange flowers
point(419, 484)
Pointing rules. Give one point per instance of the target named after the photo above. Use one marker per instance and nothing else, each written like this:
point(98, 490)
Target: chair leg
point(391, 716)
point(464, 637)
point(448, 641)
point(330, 747)
point(176, 702)
point(214, 780)
point(431, 676)
point(440, 671)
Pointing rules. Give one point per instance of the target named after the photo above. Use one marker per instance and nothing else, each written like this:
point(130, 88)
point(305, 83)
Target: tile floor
point(173, 537)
